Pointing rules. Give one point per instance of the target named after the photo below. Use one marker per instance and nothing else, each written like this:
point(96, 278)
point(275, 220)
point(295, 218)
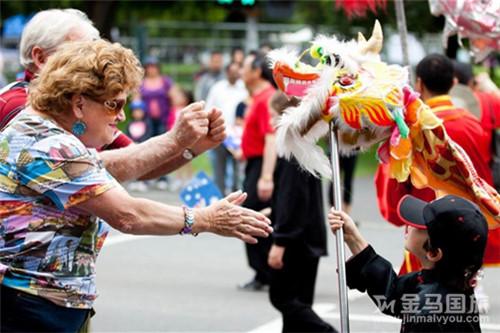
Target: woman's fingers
point(236, 221)
point(251, 230)
point(236, 198)
point(241, 199)
point(216, 114)
point(252, 225)
point(219, 122)
point(202, 123)
point(246, 238)
point(195, 107)
point(266, 211)
point(218, 131)
point(257, 223)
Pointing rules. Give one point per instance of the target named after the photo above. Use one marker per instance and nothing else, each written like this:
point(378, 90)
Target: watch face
point(187, 154)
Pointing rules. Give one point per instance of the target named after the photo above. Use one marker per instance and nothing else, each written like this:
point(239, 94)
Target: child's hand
point(338, 219)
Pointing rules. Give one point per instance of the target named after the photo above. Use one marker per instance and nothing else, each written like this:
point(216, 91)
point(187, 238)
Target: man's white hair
point(50, 28)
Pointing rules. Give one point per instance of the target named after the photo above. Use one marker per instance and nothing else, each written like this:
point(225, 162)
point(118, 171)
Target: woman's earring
point(78, 128)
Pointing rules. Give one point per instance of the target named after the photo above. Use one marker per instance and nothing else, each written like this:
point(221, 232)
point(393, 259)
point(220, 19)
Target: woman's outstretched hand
point(227, 218)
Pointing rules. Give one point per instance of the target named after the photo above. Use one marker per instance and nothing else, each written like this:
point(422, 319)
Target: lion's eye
point(337, 59)
point(326, 60)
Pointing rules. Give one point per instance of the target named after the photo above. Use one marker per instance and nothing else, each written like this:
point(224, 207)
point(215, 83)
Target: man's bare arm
point(195, 128)
point(216, 135)
point(135, 161)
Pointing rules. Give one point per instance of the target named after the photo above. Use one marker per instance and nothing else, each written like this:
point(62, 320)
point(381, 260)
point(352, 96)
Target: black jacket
point(422, 302)
point(298, 218)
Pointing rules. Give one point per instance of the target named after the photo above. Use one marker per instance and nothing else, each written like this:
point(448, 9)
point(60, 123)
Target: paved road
point(187, 284)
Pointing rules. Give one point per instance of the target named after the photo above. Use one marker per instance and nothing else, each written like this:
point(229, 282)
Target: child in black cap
point(449, 236)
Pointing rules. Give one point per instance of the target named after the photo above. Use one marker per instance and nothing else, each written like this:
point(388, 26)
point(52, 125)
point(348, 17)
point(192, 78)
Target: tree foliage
point(315, 12)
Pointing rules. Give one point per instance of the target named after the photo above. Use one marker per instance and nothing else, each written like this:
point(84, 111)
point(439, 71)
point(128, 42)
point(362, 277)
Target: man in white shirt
point(226, 94)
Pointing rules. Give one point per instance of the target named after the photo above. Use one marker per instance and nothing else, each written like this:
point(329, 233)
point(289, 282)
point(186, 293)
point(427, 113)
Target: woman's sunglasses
point(113, 106)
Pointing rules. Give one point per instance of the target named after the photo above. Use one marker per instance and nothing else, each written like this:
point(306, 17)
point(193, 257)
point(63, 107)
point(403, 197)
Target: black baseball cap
point(454, 224)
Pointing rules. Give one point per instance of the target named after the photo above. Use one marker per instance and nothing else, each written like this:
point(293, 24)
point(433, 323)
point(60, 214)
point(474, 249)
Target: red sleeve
point(11, 103)
point(120, 141)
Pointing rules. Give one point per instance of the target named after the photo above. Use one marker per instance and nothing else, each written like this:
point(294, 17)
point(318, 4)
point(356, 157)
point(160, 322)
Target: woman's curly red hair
point(98, 69)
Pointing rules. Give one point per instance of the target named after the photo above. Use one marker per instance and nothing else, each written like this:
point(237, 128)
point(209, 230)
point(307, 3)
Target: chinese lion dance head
point(370, 102)
point(350, 85)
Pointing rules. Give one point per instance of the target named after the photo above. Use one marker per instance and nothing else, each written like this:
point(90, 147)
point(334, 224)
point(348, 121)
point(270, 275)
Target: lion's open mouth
point(293, 82)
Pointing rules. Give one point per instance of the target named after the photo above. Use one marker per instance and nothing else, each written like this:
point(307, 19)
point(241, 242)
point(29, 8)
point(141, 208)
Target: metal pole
point(403, 33)
point(337, 203)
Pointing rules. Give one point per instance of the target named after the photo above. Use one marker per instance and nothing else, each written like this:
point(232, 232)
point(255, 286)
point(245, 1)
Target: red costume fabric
point(490, 111)
point(14, 100)
point(257, 124)
point(465, 130)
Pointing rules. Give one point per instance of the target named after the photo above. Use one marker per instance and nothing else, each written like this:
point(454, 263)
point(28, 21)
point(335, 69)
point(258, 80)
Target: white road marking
point(122, 239)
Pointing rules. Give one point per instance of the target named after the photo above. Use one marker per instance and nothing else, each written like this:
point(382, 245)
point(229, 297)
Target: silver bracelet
point(188, 222)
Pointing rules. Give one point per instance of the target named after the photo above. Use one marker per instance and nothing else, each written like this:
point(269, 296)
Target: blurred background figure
point(155, 93)
point(213, 73)
point(241, 109)
point(347, 166)
point(237, 55)
point(139, 129)
point(180, 98)
point(462, 92)
point(258, 146)
point(483, 83)
point(481, 93)
point(226, 95)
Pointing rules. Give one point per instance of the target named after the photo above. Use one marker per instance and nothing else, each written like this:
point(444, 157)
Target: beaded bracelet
point(188, 222)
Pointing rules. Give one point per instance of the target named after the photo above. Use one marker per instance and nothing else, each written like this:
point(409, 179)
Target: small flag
point(201, 191)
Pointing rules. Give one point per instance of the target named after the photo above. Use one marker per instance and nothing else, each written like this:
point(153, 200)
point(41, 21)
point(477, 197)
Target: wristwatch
point(188, 154)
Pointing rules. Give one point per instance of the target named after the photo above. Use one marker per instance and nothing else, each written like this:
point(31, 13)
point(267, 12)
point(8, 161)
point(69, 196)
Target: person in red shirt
point(259, 149)
point(435, 78)
point(195, 132)
point(486, 99)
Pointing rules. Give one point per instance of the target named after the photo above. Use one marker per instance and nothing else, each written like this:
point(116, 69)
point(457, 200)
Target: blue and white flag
point(201, 191)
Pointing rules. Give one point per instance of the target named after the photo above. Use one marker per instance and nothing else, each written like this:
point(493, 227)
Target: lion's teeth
point(286, 80)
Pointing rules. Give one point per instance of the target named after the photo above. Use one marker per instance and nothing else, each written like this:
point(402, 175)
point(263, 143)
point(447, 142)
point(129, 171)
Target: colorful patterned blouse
point(48, 247)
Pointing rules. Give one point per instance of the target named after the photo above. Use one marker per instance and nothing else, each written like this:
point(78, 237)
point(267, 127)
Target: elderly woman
point(54, 190)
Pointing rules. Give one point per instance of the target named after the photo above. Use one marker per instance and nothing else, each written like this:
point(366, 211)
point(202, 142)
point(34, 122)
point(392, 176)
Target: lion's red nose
point(346, 80)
